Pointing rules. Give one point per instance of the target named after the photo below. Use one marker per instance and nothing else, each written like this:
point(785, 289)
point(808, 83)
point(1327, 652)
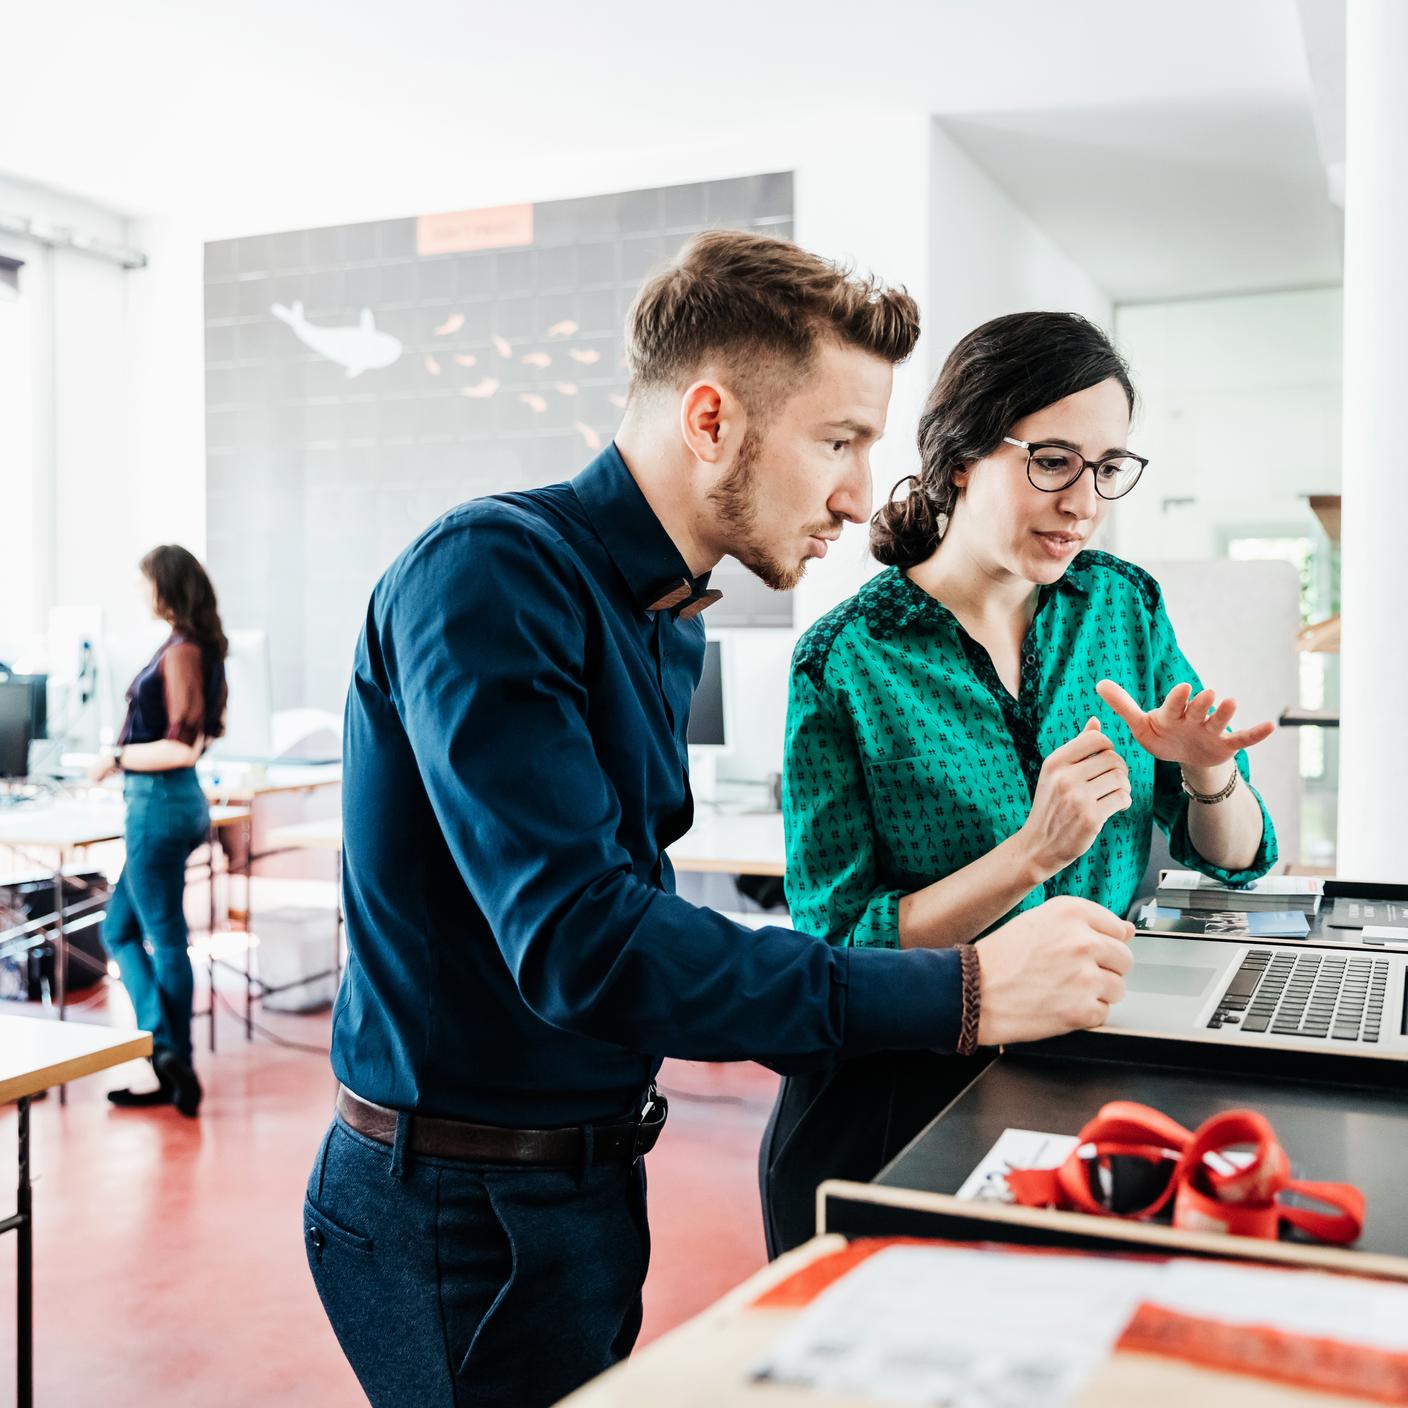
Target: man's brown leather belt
point(621, 1142)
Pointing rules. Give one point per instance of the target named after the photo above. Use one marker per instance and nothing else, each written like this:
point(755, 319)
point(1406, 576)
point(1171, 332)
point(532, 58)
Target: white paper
point(1015, 1148)
point(961, 1329)
point(1385, 931)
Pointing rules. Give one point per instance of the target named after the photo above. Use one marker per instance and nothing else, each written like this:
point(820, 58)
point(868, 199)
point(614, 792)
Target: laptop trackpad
point(1172, 980)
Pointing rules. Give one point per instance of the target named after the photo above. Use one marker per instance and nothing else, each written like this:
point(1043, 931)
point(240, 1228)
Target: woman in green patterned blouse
point(998, 718)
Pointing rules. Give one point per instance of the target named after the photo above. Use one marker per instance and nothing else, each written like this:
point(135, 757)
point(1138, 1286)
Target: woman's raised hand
point(1187, 728)
point(1082, 784)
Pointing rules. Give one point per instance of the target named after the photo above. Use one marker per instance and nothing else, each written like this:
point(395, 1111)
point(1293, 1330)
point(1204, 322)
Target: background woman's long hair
point(184, 595)
point(996, 376)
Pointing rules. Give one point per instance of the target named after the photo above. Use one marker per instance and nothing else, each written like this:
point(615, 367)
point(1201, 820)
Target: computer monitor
point(38, 686)
point(16, 727)
point(708, 730)
point(706, 710)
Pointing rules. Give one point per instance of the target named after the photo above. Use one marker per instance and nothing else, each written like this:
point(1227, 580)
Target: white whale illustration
point(361, 348)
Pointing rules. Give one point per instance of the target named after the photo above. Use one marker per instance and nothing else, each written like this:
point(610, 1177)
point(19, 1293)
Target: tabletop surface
point(243, 782)
point(733, 842)
point(324, 834)
point(67, 821)
point(1330, 1132)
point(39, 1052)
point(739, 843)
point(707, 1363)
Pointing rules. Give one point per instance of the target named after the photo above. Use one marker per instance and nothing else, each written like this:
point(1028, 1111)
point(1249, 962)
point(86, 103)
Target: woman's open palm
point(1187, 728)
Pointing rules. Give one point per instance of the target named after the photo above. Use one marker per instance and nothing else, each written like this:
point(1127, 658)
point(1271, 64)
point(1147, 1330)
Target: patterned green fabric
point(907, 758)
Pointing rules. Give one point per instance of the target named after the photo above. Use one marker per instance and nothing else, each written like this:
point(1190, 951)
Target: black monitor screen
point(706, 712)
point(38, 703)
point(16, 729)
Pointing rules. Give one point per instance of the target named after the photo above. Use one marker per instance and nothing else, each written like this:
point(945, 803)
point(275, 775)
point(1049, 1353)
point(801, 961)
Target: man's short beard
point(736, 501)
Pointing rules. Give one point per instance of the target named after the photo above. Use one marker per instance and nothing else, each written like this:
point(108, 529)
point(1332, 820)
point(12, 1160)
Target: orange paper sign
point(457, 231)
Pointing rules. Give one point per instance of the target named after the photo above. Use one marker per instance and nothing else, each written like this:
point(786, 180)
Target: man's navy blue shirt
point(515, 766)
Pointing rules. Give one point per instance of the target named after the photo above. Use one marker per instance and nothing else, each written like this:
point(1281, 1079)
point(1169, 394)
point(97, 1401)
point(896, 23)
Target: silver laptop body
point(1284, 995)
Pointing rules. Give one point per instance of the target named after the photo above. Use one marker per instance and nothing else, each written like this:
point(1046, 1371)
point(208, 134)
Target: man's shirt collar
point(652, 566)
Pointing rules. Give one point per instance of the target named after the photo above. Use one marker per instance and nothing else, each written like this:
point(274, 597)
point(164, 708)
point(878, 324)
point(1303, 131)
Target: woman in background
point(997, 720)
point(175, 707)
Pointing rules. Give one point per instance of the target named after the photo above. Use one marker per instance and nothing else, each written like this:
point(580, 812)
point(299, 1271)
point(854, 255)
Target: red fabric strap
point(1208, 1193)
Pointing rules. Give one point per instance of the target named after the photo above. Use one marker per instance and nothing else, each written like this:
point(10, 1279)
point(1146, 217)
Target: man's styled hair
point(759, 306)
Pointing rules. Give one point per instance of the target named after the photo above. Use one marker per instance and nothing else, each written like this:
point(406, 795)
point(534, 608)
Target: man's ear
point(959, 477)
point(709, 420)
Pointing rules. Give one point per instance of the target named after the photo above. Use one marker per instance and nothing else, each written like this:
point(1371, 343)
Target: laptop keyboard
point(1337, 998)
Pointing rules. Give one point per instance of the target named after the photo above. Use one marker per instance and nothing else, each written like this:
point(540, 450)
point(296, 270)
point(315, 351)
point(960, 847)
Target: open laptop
point(1275, 994)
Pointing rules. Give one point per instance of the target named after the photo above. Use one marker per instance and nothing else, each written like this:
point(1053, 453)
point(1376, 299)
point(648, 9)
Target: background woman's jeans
point(167, 818)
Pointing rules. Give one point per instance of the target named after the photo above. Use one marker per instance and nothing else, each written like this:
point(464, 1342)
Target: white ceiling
point(1172, 200)
point(1169, 148)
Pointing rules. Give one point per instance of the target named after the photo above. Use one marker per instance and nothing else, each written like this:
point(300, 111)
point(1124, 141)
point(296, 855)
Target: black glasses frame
point(1032, 446)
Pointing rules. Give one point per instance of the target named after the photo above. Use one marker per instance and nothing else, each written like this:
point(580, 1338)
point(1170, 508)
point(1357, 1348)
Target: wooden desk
point(35, 1055)
point(706, 1363)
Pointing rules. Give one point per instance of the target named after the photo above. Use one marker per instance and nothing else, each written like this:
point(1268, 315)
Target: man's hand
point(1052, 970)
point(1082, 784)
point(1186, 728)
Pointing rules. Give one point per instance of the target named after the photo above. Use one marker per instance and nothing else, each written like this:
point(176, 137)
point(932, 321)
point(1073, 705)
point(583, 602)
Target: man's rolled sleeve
point(902, 1001)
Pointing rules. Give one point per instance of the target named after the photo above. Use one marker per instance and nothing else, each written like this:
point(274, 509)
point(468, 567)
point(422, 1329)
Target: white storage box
point(294, 945)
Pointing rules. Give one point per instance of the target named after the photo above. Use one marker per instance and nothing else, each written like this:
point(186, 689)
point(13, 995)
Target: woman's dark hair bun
point(904, 530)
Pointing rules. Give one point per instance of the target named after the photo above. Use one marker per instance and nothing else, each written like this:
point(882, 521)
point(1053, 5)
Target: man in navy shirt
point(516, 766)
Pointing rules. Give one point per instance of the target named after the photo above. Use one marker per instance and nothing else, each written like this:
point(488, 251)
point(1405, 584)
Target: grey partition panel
point(1237, 622)
point(362, 379)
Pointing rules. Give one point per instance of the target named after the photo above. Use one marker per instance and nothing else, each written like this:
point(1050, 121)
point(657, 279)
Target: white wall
point(1240, 418)
point(166, 321)
point(115, 421)
point(989, 258)
point(17, 486)
point(76, 355)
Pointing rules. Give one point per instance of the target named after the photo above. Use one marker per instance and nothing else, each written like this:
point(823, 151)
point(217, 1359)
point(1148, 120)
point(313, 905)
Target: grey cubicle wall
point(1237, 624)
point(361, 379)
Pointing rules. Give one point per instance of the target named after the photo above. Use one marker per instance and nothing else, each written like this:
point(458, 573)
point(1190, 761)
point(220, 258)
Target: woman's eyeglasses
point(1052, 468)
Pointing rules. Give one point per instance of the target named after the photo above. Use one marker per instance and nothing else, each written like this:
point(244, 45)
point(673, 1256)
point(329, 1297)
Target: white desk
point(324, 834)
point(247, 782)
point(66, 824)
point(70, 824)
point(732, 843)
point(34, 1055)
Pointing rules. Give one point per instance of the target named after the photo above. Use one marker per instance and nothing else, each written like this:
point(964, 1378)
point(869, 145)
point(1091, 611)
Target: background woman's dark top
point(179, 694)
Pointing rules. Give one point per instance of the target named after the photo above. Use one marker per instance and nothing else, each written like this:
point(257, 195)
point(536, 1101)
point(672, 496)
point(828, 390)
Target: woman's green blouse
point(907, 758)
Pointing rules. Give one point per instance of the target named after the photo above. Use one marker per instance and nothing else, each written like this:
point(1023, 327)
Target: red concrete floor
point(169, 1265)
